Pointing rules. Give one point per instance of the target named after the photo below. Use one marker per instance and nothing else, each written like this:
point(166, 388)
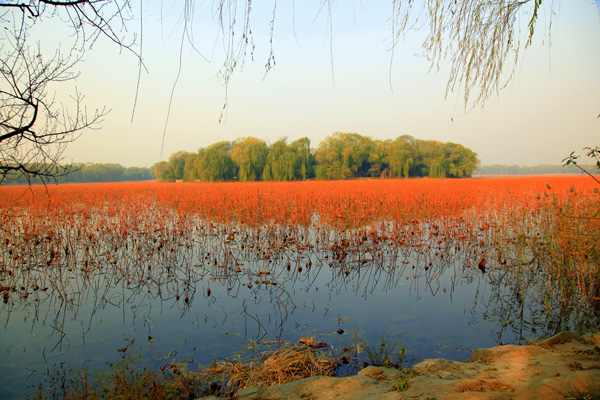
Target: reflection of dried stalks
point(288, 362)
point(86, 248)
point(125, 379)
point(550, 260)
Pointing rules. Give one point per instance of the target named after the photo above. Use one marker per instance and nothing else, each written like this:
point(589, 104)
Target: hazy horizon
point(350, 84)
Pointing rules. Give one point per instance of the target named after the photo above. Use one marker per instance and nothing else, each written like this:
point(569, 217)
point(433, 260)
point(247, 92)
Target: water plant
point(123, 379)
point(69, 252)
point(386, 352)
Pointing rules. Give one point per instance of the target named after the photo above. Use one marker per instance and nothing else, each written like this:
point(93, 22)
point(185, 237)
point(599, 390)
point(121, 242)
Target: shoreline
point(566, 365)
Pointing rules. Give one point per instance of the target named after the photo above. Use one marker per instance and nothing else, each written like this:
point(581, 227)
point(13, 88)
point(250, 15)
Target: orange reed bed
point(341, 203)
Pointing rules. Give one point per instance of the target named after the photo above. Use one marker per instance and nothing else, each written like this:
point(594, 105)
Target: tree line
point(339, 156)
point(534, 170)
point(84, 173)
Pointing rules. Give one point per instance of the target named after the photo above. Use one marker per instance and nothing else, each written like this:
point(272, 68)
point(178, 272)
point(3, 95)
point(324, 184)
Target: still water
point(209, 290)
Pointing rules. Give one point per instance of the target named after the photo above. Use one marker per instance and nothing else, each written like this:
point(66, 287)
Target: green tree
point(399, 156)
point(343, 156)
point(250, 157)
point(159, 170)
point(168, 174)
point(191, 170)
point(177, 163)
point(427, 159)
point(280, 162)
point(305, 157)
point(377, 161)
point(214, 164)
point(90, 172)
point(289, 162)
point(329, 160)
point(459, 162)
point(139, 174)
point(339, 156)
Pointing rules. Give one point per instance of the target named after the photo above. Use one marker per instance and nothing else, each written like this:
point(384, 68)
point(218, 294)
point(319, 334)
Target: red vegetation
point(343, 204)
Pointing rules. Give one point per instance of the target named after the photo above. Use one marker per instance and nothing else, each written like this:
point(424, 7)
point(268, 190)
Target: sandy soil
point(565, 366)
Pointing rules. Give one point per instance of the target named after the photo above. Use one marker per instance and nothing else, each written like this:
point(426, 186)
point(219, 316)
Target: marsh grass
point(261, 364)
point(125, 379)
point(158, 244)
point(385, 352)
point(571, 243)
point(281, 363)
point(553, 253)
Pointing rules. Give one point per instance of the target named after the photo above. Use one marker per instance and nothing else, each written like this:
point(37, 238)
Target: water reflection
point(193, 289)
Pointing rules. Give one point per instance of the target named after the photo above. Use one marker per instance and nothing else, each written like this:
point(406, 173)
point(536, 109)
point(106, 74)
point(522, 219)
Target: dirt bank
point(564, 366)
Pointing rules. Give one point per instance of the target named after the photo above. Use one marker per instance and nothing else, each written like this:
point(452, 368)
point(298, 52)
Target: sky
point(334, 73)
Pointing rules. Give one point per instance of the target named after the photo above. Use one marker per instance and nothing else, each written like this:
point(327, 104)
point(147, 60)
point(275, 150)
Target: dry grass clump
point(125, 379)
point(288, 362)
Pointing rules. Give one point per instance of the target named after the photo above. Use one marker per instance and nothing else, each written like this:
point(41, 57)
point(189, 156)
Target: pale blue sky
point(548, 110)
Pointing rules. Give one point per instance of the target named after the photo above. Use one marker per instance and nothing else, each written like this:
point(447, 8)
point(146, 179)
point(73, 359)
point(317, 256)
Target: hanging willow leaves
point(480, 39)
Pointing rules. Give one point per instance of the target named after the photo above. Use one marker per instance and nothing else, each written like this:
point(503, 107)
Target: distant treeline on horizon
point(534, 170)
point(98, 173)
point(87, 173)
point(339, 156)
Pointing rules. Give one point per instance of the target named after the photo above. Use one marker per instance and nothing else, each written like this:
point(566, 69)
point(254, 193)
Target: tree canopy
point(339, 156)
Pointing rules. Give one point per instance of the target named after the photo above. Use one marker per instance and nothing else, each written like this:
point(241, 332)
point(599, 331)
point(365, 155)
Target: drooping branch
point(480, 39)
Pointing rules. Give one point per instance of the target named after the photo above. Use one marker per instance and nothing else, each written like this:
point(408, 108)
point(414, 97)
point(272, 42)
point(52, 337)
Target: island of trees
point(339, 156)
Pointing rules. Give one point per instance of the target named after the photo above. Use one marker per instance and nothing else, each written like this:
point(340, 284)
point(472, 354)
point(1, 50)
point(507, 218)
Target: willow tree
point(343, 156)
point(482, 40)
point(215, 163)
point(250, 157)
point(289, 162)
point(459, 162)
point(399, 157)
point(280, 164)
point(305, 159)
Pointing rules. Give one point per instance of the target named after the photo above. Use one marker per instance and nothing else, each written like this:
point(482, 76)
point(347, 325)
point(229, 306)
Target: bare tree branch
point(34, 128)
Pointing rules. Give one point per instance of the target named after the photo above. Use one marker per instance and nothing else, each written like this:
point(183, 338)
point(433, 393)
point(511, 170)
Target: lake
point(83, 279)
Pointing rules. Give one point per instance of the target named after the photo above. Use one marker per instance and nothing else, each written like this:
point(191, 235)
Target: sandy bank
point(564, 366)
